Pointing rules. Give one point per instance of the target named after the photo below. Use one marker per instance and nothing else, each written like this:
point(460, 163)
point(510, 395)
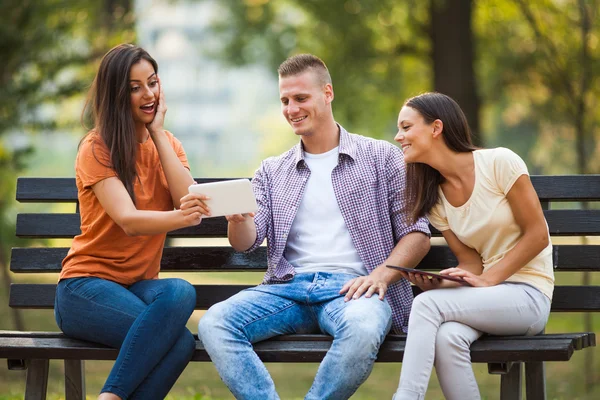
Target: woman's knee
point(452, 338)
point(424, 302)
point(182, 294)
point(186, 344)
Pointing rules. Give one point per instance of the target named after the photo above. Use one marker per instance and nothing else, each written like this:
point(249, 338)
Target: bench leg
point(37, 380)
point(510, 383)
point(74, 380)
point(535, 381)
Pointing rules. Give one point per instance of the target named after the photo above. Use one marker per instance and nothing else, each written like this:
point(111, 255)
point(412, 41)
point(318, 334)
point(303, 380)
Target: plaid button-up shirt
point(369, 183)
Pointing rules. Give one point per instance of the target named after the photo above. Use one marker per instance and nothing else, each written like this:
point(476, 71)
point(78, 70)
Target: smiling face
point(144, 91)
point(415, 134)
point(305, 102)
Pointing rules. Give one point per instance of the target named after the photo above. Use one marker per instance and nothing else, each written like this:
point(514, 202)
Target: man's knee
point(212, 320)
point(367, 324)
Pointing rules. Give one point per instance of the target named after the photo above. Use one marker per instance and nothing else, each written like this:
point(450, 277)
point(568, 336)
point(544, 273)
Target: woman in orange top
point(132, 179)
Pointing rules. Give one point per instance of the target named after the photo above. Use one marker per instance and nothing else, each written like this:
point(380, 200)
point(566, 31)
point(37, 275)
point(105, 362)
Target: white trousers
point(444, 322)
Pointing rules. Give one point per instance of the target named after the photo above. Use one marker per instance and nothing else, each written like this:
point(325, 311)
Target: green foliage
point(539, 74)
point(48, 50)
point(374, 50)
point(539, 87)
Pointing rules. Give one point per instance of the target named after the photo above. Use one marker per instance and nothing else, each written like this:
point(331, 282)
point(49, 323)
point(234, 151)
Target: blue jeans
point(146, 321)
point(310, 303)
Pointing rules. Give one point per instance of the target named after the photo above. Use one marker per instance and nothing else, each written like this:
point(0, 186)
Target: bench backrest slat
point(61, 190)
point(549, 188)
point(217, 258)
point(560, 222)
point(566, 298)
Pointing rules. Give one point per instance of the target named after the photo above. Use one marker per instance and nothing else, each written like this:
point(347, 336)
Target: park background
point(525, 72)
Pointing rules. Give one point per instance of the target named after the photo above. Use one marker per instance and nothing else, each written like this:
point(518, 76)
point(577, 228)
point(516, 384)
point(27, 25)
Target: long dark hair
point(423, 181)
point(109, 103)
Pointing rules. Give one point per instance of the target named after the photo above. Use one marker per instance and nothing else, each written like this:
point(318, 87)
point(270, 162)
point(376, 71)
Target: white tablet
point(227, 197)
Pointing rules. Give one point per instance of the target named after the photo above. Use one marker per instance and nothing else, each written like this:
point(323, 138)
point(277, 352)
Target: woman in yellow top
point(132, 180)
point(483, 202)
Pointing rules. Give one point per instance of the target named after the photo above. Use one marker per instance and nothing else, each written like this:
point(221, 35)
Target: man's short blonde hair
point(300, 63)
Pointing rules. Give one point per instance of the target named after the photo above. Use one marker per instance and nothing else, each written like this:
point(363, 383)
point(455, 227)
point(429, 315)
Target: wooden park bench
point(508, 356)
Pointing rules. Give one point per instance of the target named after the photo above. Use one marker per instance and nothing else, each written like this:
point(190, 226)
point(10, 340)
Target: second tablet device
point(429, 274)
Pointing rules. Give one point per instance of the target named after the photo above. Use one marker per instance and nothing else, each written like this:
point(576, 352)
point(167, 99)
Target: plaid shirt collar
point(346, 146)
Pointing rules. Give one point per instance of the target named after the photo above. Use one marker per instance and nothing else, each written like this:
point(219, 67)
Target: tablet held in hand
point(227, 197)
point(429, 274)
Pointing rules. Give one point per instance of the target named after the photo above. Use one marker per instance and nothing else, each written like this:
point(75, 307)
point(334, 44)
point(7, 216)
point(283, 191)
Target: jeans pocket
point(72, 284)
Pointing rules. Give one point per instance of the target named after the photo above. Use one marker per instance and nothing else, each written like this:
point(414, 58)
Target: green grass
point(200, 381)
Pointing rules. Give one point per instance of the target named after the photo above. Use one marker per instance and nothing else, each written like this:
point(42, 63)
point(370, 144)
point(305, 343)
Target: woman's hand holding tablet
point(429, 275)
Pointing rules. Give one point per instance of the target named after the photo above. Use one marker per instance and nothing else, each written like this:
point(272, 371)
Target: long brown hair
point(109, 103)
point(423, 181)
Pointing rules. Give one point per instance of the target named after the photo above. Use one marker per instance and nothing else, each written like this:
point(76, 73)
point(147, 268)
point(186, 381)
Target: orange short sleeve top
point(103, 249)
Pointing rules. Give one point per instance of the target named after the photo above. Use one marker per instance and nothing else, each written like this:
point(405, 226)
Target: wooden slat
point(560, 222)
point(567, 187)
point(568, 298)
point(576, 298)
point(212, 258)
point(192, 259)
point(27, 295)
point(46, 190)
point(576, 257)
point(41, 296)
point(61, 190)
point(175, 259)
point(65, 226)
point(549, 188)
point(295, 348)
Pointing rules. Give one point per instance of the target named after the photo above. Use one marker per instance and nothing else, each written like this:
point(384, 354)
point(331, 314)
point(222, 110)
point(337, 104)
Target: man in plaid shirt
point(334, 214)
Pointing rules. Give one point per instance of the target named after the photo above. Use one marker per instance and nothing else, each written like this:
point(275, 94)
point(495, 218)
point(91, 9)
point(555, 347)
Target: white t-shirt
point(319, 240)
point(486, 222)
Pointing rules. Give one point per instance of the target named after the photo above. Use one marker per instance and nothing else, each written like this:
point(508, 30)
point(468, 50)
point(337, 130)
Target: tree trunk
point(453, 57)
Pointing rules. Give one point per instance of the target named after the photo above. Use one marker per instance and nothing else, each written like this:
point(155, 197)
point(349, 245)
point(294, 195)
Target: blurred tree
point(379, 52)
point(46, 48)
point(539, 68)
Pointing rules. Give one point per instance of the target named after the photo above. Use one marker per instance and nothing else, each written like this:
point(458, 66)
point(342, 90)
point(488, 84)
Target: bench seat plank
point(296, 348)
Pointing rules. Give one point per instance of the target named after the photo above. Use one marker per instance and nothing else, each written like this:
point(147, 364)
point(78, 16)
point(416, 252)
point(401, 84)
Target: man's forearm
point(242, 235)
point(408, 253)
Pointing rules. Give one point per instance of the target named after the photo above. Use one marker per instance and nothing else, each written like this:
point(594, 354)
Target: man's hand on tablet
point(238, 218)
